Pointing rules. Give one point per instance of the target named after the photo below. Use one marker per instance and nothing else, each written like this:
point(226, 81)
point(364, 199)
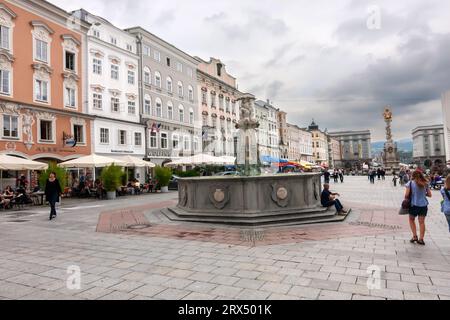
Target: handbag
point(406, 204)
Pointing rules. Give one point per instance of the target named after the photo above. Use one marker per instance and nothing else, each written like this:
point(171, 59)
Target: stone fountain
point(251, 199)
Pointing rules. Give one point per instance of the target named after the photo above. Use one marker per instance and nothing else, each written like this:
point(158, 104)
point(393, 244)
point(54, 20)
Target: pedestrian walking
point(445, 192)
point(395, 179)
point(417, 190)
point(341, 175)
point(383, 174)
point(52, 193)
point(326, 176)
point(379, 174)
point(373, 174)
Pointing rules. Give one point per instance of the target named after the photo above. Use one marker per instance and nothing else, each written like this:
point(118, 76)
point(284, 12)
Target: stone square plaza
point(126, 249)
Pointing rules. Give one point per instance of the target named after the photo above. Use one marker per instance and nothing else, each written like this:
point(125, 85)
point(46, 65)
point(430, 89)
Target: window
point(187, 143)
point(147, 51)
point(191, 116)
point(195, 144)
point(4, 37)
point(113, 41)
point(181, 113)
point(97, 101)
point(204, 97)
point(41, 90)
point(147, 107)
point(156, 55)
point(104, 135)
point(214, 122)
point(169, 111)
point(213, 100)
point(191, 93)
point(70, 97)
point(129, 47)
point(46, 132)
point(10, 126)
point(4, 82)
point(158, 79)
point(131, 77)
point(97, 66)
point(227, 106)
point(158, 109)
point(190, 72)
point(175, 142)
point(137, 139)
point(220, 102)
point(70, 61)
point(131, 107)
point(96, 33)
point(114, 72)
point(169, 84)
point(205, 121)
point(168, 62)
point(153, 142)
point(122, 137)
point(164, 141)
point(179, 67)
point(147, 76)
point(115, 104)
point(78, 133)
point(41, 50)
point(180, 89)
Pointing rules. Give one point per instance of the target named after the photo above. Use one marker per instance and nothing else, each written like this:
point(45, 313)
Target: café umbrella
point(18, 164)
point(92, 161)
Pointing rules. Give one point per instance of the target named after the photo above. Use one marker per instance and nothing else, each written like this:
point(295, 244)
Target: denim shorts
point(418, 211)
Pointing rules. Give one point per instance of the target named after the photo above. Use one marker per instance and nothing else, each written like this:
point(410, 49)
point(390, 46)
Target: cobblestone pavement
point(125, 249)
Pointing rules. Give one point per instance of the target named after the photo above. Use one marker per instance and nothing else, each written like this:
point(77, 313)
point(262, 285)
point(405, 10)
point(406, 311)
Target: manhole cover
point(18, 221)
point(139, 226)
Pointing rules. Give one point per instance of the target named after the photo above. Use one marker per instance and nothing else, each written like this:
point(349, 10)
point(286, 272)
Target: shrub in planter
point(163, 176)
point(111, 178)
point(61, 175)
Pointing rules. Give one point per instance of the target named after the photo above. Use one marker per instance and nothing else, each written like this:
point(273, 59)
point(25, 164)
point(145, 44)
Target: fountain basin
point(281, 199)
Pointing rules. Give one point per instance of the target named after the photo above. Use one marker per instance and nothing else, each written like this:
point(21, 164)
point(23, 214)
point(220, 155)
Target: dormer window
point(219, 69)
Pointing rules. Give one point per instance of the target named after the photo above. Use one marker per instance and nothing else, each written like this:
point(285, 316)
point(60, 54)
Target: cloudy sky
point(339, 62)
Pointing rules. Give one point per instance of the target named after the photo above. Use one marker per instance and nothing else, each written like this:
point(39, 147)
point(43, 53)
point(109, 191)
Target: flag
point(153, 128)
point(158, 127)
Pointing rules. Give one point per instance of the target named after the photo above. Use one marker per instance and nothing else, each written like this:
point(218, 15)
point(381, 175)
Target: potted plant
point(111, 178)
point(163, 175)
point(61, 175)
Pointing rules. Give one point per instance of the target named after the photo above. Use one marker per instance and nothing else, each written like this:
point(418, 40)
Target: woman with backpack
point(417, 190)
point(445, 191)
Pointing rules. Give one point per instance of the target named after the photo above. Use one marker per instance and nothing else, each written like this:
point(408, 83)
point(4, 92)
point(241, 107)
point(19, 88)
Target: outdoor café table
point(39, 195)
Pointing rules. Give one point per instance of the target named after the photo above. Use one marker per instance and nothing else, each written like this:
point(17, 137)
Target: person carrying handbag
point(52, 193)
point(417, 190)
point(445, 192)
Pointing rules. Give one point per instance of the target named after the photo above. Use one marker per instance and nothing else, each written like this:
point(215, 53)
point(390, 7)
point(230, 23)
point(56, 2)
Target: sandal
point(421, 242)
point(414, 240)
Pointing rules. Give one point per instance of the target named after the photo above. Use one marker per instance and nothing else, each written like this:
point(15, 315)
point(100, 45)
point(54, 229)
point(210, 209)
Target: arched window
point(169, 110)
point(158, 79)
point(158, 105)
point(191, 93)
point(180, 89)
point(169, 84)
point(191, 116)
point(181, 113)
point(147, 105)
point(147, 76)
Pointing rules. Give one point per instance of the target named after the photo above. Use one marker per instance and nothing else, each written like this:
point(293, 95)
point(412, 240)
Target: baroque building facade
point(42, 109)
point(429, 146)
point(218, 107)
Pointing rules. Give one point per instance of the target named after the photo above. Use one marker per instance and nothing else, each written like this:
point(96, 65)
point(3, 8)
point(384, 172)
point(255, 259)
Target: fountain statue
point(251, 199)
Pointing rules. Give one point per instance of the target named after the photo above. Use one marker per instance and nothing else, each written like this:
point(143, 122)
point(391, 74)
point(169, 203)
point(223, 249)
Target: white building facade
point(268, 133)
point(113, 92)
point(168, 88)
point(429, 145)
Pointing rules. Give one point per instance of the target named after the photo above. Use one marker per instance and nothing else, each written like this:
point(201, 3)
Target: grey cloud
point(273, 89)
point(165, 18)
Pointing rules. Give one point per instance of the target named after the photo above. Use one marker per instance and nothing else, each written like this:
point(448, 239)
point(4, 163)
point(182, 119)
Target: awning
point(92, 161)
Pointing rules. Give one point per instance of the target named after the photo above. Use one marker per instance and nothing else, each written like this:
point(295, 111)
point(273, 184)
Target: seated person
point(8, 192)
point(328, 199)
point(4, 203)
